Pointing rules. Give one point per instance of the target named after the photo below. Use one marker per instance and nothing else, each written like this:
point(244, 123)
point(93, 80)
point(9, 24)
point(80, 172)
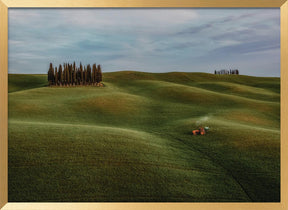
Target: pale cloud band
point(152, 40)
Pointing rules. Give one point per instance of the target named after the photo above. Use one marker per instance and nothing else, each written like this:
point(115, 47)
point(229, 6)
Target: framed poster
point(165, 104)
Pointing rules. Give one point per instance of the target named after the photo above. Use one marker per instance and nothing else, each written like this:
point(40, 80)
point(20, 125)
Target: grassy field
point(131, 140)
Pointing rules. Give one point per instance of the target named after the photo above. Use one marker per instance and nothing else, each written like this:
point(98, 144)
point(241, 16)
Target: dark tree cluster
point(224, 71)
point(71, 75)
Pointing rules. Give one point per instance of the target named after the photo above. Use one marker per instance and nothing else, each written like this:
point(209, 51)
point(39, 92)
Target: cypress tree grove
point(71, 75)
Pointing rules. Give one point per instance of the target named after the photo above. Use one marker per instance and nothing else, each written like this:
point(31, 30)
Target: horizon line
point(152, 73)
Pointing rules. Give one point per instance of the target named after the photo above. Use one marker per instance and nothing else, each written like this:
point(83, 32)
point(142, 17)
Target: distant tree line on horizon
point(224, 71)
point(71, 75)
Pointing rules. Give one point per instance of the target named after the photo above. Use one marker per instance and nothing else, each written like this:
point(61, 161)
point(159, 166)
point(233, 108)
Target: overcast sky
point(151, 40)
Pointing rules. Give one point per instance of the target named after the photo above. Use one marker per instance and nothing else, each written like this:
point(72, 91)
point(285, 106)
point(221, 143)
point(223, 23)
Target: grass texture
point(132, 139)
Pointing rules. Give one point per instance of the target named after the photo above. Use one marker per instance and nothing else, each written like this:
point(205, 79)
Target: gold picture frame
point(5, 4)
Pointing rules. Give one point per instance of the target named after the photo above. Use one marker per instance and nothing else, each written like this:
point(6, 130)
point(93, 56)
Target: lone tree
point(51, 74)
point(60, 75)
point(85, 75)
point(88, 80)
point(74, 77)
point(94, 74)
point(99, 74)
point(56, 76)
point(81, 74)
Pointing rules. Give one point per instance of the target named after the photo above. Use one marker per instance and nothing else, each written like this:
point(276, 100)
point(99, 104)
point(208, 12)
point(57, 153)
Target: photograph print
point(144, 105)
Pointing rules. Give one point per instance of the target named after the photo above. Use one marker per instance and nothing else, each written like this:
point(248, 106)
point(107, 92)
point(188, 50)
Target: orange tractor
point(200, 131)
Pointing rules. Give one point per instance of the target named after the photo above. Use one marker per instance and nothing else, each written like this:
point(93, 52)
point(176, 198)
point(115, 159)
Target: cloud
point(196, 29)
point(248, 47)
point(178, 46)
point(156, 40)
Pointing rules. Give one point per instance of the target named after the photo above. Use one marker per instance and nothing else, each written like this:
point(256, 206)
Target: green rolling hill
point(132, 139)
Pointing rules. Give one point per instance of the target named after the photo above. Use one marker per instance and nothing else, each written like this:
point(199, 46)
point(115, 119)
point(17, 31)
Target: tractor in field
point(201, 131)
